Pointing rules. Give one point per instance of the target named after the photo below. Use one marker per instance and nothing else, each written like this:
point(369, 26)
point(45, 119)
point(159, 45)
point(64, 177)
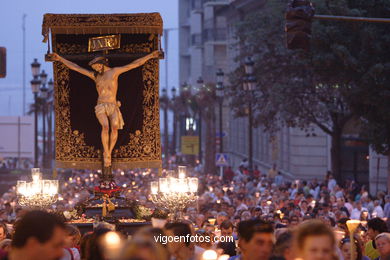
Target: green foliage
point(342, 77)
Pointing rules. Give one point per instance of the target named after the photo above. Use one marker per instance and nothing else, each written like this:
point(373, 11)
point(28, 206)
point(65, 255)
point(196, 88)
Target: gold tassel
point(111, 206)
point(104, 209)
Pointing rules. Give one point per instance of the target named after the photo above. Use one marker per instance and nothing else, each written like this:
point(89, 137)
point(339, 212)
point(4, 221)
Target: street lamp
point(44, 94)
point(200, 83)
point(49, 99)
point(220, 93)
point(249, 85)
point(35, 66)
point(173, 91)
point(166, 138)
point(35, 83)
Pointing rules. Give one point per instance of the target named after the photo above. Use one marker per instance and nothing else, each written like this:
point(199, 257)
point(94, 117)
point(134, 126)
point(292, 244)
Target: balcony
point(216, 2)
point(196, 39)
point(214, 35)
point(196, 5)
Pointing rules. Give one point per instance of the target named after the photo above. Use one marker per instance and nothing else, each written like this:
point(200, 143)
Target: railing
point(196, 39)
point(196, 4)
point(217, 1)
point(214, 34)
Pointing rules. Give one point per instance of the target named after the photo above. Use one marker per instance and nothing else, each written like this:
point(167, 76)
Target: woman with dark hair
point(345, 248)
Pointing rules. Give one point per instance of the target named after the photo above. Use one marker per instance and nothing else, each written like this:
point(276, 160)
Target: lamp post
point(35, 83)
point(220, 93)
point(49, 157)
point(166, 138)
point(200, 83)
point(249, 86)
point(173, 91)
point(43, 94)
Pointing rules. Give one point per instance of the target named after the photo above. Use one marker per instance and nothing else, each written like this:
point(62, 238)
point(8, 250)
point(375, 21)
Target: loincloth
point(111, 109)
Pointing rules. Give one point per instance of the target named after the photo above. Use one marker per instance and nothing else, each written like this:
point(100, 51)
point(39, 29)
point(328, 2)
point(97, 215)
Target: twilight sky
point(11, 37)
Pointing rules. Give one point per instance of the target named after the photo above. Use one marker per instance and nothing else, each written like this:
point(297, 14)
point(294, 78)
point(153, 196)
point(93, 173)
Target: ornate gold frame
point(144, 147)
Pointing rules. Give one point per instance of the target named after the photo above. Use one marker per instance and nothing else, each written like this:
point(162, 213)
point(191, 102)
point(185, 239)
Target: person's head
point(314, 240)
point(375, 226)
point(98, 64)
point(95, 247)
point(3, 231)
point(342, 224)
point(283, 245)
point(256, 239)
point(286, 221)
point(143, 249)
point(226, 228)
point(5, 245)
point(221, 217)
point(40, 235)
point(358, 205)
point(73, 236)
point(382, 242)
point(178, 229)
point(246, 215)
point(199, 220)
point(345, 248)
point(340, 202)
point(294, 221)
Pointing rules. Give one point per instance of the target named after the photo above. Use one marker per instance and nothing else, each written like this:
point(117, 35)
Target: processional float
point(106, 89)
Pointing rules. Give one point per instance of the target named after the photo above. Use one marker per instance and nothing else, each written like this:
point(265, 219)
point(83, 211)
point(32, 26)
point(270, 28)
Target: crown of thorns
point(100, 60)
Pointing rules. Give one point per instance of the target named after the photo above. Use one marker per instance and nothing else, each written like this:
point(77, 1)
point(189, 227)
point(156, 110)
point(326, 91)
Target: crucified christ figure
point(107, 109)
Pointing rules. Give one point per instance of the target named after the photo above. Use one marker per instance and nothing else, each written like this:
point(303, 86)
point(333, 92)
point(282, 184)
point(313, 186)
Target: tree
point(302, 89)
point(371, 99)
point(202, 102)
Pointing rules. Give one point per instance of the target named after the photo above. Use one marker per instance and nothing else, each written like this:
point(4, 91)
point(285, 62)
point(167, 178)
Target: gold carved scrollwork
point(145, 144)
point(138, 48)
point(98, 23)
point(70, 144)
point(68, 48)
point(71, 48)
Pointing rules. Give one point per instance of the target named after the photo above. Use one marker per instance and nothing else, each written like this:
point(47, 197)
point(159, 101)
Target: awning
point(140, 23)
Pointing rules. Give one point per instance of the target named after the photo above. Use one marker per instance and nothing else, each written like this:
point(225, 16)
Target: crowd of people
point(266, 215)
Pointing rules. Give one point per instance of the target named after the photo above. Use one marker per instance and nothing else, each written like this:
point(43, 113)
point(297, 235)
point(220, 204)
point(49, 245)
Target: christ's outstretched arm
point(72, 66)
point(136, 63)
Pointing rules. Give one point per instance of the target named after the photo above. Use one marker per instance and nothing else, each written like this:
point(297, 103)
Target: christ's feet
point(107, 159)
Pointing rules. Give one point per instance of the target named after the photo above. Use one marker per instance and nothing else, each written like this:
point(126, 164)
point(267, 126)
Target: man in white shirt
point(378, 211)
point(331, 183)
point(387, 206)
point(357, 210)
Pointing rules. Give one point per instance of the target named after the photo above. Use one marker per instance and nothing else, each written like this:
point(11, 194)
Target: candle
point(154, 187)
point(21, 187)
point(164, 185)
point(36, 174)
point(53, 187)
point(182, 185)
point(224, 257)
point(209, 255)
point(182, 171)
point(193, 184)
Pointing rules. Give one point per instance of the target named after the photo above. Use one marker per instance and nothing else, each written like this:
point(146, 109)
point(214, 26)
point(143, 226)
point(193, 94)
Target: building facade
point(207, 43)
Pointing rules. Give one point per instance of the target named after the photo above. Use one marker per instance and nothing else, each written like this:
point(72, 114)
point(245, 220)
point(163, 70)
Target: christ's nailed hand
point(53, 57)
